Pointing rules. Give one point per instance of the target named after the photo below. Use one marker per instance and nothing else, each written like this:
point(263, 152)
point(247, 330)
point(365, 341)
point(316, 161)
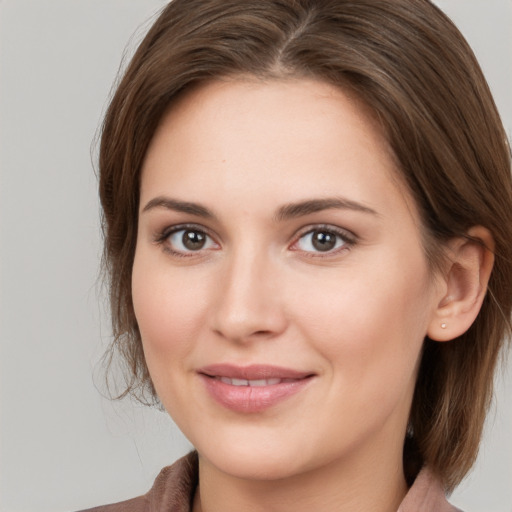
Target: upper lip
point(252, 372)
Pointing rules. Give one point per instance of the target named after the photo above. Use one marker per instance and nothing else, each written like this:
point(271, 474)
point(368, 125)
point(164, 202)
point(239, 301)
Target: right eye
point(188, 240)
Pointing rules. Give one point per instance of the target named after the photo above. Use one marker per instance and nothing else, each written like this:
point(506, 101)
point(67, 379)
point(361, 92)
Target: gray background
point(62, 446)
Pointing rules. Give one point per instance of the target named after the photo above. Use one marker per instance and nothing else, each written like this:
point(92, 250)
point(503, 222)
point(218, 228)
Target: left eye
point(321, 240)
point(189, 240)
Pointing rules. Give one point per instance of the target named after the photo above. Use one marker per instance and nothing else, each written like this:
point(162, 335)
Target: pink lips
point(252, 388)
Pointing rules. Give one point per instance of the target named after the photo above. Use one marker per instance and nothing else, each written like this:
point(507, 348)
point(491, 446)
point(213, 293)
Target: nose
point(249, 300)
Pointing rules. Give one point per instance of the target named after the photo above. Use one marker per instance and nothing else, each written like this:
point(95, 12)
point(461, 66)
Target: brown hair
point(413, 68)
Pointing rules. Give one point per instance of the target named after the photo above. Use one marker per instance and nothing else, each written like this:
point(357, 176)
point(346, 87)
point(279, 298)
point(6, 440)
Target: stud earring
point(443, 326)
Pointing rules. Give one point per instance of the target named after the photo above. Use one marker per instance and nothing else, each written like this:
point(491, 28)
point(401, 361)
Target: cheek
point(167, 308)
point(368, 324)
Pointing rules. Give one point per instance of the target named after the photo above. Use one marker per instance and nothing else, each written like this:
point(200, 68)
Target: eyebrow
point(179, 206)
point(285, 212)
point(293, 210)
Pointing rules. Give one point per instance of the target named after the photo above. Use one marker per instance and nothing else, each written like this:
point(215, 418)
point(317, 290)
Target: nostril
point(245, 336)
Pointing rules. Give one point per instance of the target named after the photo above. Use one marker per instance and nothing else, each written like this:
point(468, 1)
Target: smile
point(252, 389)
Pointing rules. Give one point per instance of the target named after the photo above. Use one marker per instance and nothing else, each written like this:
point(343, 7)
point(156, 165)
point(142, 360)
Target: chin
point(256, 460)
point(254, 466)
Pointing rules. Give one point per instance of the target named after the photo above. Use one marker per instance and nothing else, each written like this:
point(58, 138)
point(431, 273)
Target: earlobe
point(470, 262)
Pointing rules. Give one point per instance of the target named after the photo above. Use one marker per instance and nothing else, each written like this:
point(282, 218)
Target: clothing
point(173, 491)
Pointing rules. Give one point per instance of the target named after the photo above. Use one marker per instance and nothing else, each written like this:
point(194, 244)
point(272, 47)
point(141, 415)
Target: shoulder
point(134, 505)
point(172, 491)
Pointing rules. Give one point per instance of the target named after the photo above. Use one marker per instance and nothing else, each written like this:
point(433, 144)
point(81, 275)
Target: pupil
point(324, 241)
point(193, 240)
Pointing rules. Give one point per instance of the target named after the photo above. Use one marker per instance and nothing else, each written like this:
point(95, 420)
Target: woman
point(308, 227)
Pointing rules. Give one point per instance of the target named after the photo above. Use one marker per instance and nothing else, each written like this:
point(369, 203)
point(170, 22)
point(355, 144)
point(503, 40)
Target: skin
point(258, 292)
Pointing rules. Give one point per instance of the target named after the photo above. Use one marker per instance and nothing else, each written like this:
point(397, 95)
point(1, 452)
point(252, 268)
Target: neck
point(372, 485)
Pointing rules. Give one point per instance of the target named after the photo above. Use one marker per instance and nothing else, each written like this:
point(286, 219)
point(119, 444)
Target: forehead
point(289, 139)
point(238, 99)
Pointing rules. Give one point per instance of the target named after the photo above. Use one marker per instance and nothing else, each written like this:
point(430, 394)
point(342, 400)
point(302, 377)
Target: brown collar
point(174, 488)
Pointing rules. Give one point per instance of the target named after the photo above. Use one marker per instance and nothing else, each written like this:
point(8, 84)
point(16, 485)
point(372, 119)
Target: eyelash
point(163, 238)
point(348, 239)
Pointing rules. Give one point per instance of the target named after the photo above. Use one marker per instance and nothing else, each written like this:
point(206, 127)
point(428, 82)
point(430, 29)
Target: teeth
point(261, 382)
point(239, 382)
point(254, 383)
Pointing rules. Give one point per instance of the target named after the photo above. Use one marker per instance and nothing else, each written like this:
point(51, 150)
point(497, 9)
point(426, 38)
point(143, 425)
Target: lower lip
point(250, 399)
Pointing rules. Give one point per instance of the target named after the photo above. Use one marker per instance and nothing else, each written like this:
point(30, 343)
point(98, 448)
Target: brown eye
point(193, 240)
point(189, 240)
point(322, 240)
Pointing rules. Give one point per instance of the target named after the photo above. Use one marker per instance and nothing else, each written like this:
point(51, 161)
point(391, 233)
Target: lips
point(251, 389)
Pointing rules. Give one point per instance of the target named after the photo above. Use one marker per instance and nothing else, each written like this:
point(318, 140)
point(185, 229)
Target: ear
point(464, 284)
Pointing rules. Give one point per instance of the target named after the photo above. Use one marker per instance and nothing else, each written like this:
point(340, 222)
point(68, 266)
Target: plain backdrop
point(63, 446)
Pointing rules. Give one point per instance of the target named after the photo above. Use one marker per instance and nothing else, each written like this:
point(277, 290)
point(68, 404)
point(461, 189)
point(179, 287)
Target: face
point(280, 284)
